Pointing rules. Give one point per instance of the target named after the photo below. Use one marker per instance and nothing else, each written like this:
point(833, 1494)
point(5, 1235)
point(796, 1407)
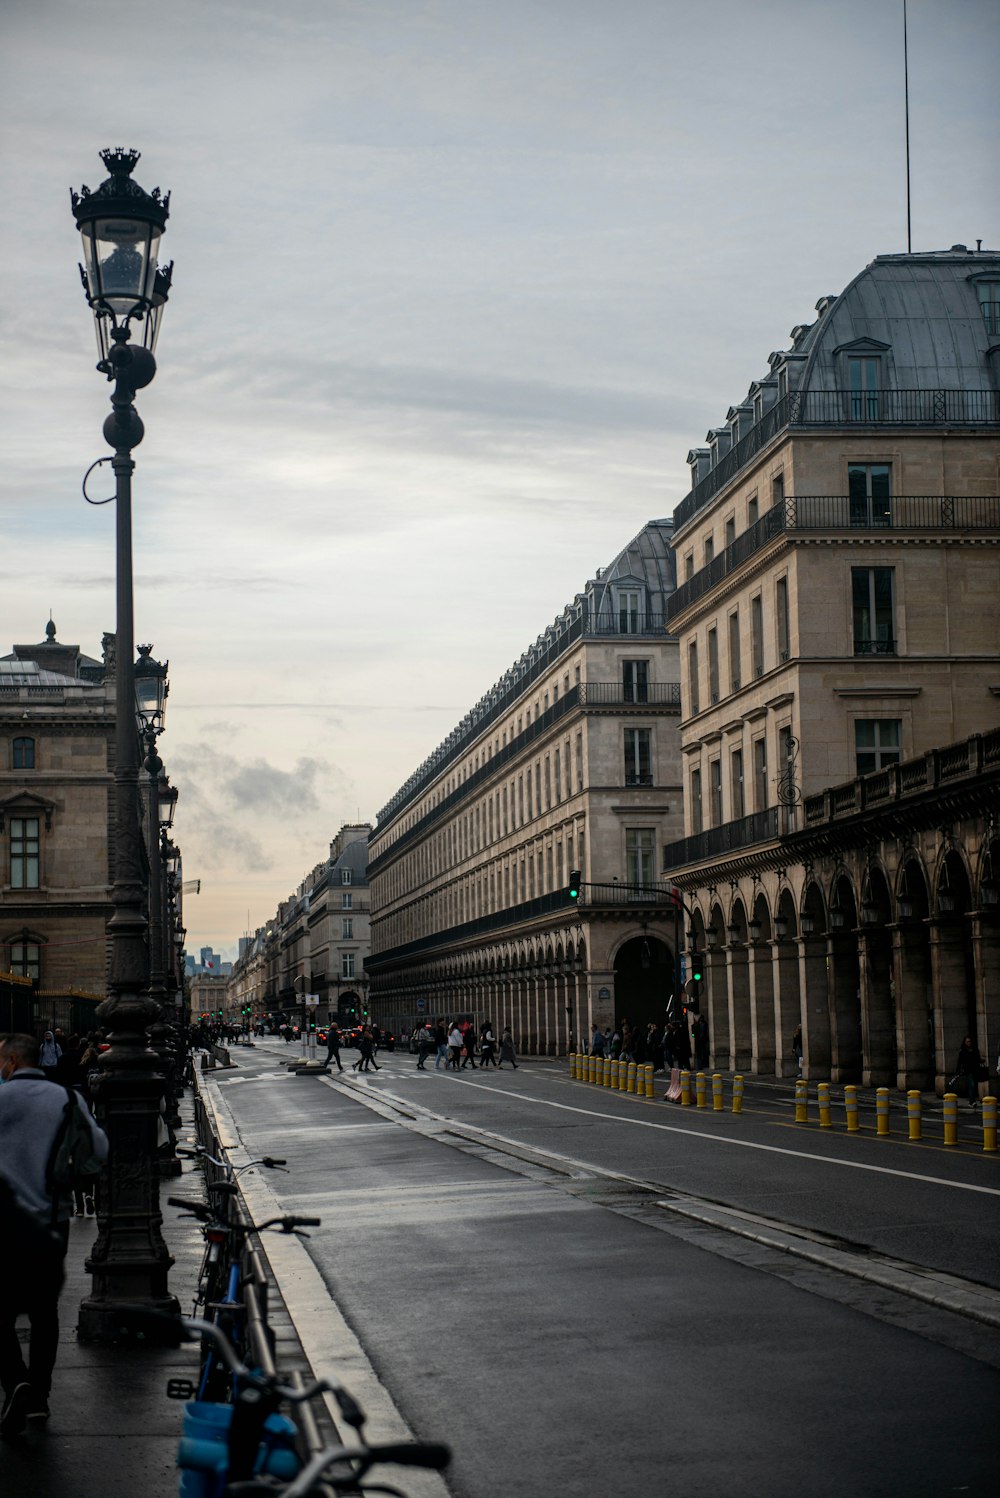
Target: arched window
point(24, 754)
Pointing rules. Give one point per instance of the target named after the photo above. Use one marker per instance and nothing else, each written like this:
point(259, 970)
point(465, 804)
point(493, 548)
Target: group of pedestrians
point(455, 1045)
point(672, 1044)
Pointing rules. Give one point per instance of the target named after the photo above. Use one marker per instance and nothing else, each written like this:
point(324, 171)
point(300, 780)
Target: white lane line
point(648, 1123)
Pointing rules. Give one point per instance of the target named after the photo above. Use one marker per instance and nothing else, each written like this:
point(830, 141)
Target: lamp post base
point(106, 1319)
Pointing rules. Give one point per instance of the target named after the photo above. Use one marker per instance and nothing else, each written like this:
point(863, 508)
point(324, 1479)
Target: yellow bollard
point(882, 1112)
point(801, 1100)
point(851, 1109)
point(737, 1094)
point(606, 1071)
point(950, 1118)
point(649, 1080)
point(630, 1077)
point(592, 1068)
point(572, 1063)
point(685, 1089)
point(615, 1069)
point(716, 1092)
point(699, 1089)
point(913, 1113)
point(622, 1076)
point(990, 1125)
point(823, 1098)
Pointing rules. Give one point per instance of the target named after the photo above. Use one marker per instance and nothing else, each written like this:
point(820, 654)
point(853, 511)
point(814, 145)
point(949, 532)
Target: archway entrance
point(644, 980)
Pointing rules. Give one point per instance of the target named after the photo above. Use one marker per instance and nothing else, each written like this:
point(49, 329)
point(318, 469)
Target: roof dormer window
point(782, 382)
point(863, 382)
point(989, 304)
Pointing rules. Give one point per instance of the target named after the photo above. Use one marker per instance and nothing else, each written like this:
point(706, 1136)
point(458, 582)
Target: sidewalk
point(113, 1430)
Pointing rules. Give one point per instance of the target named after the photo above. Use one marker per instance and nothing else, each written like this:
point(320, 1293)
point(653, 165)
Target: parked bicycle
point(250, 1454)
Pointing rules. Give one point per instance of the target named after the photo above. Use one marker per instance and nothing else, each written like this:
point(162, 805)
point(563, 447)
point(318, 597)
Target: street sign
point(311, 998)
point(682, 963)
point(421, 1005)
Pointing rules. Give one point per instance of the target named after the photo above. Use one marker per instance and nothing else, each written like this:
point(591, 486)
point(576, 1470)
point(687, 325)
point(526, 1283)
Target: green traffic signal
point(574, 884)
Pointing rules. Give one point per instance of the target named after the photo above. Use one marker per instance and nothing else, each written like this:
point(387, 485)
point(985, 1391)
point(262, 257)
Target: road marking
point(643, 1123)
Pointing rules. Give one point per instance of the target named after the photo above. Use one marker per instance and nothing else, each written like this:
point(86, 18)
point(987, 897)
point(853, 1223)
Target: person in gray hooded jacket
point(31, 1112)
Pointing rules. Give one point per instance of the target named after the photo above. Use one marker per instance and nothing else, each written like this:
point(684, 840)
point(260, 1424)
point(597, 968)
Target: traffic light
point(676, 899)
point(574, 884)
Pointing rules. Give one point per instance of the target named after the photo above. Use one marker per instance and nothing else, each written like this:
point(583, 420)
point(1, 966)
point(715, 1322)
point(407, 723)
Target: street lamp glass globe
point(150, 690)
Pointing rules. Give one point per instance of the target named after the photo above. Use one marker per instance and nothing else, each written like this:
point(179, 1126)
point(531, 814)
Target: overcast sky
point(457, 284)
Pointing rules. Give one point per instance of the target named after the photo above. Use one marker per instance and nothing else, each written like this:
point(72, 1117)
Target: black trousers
point(333, 1051)
point(39, 1282)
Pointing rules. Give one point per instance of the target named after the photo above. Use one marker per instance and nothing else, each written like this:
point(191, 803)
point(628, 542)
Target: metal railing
point(968, 758)
point(845, 408)
point(617, 694)
point(840, 512)
point(758, 827)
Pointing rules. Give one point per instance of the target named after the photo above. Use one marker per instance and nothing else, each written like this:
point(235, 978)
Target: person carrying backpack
point(34, 1119)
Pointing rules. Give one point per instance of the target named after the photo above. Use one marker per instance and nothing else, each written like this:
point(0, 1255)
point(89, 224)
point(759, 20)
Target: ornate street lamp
point(807, 924)
point(150, 686)
point(120, 226)
point(711, 937)
point(781, 927)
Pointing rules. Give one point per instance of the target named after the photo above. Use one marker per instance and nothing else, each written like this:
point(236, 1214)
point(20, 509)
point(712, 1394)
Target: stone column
point(787, 1005)
point(761, 983)
point(914, 1005)
point(986, 952)
point(878, 1008)
point(717, 1005)
point(845, 1008)
point(740, 1018)
point(949, 977)
point(814, 1007)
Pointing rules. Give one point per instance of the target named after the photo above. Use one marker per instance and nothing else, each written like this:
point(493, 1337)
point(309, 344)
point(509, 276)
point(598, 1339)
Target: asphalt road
point(565, 1348)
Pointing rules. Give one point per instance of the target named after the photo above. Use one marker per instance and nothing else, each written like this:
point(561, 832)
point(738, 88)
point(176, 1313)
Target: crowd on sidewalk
point(673, 1044)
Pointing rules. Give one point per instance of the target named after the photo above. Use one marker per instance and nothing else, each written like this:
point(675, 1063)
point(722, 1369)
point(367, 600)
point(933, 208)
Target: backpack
point(73, 1164)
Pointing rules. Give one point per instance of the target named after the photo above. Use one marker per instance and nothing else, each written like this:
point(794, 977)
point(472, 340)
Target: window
point(730, 530)
point(736, 783)
point(781, 617)
point(734, 651)
point(689, 566)
point(760, 773)
point(782, 382)
point(752, 510)
point(877, 742)
point(757, 634)
point(558, 773)
point(24, 852)
point(548, 782)
point(24, 959)
point(758, 406)
point(862, 378)
point(715, 790)
point(638, 752)
point(696, 815)
point(628, 613)
point(579, 761)
point(635, 681)
point(869, 501)
point(347, 928)
point(23, 757)
point(346, 901)
point(713, 664)
point(871, 601)
point(709, 549)
point(347, 964)
point(778, 488)
point(989, 303)
point(639, 855)
point(345, 876)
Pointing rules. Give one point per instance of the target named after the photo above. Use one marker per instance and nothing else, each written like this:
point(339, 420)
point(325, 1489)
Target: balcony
point(845, 408)
point(617, 694)
point(758, 827)
point(955, 514)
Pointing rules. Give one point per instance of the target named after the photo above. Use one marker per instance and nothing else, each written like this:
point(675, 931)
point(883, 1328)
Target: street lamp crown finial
point(119, 162)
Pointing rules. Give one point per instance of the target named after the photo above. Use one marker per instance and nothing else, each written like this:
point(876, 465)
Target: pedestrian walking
point(425, 1044)
point(970, 1070)
point(487, 1046)
point(49, 1055)
point(366, 1045)
point(441, 1042)
point(597, 1042)
point(507, 1052)
point(469, 1042)
point(34, 1228)
point(333, 1039)
point(701, 1042)
point(797, 1047)
point(454, 1047)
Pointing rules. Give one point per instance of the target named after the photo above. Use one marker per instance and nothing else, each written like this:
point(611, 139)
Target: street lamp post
point(121, 226)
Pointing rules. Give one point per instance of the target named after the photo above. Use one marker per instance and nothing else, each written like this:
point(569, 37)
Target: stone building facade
point(317, 943)
point(839, 557)
point(570, 763)
point(56, 765)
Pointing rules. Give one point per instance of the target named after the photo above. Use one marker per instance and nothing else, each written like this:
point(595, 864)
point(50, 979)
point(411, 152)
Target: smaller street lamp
point(807, 924)
point(711, 937)
point(781, 927)
point(167, 802)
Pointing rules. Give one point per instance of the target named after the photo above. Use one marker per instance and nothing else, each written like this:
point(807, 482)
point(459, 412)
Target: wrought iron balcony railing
point(758, 827)
point(819, 408)
point(617, 694)
point(840, 512)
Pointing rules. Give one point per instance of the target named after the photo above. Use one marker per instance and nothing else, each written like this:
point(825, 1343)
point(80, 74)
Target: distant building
point(569, 763)
point(57, 715)
point(316, 944)
point(838, 612)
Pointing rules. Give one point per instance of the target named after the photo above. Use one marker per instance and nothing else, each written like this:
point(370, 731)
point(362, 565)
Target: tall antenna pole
point(906, 95)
